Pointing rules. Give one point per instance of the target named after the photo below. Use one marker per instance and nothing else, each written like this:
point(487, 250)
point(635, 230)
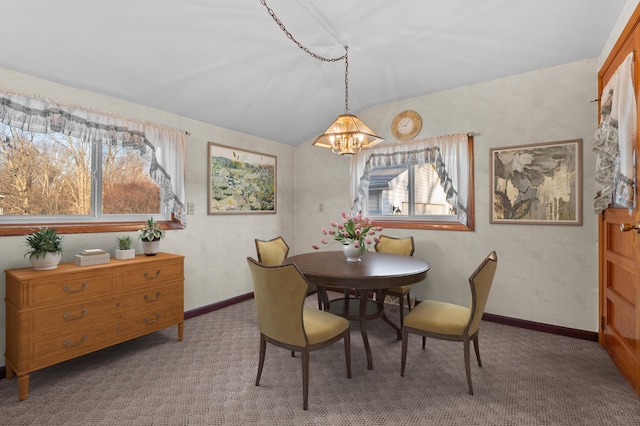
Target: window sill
point(83, 228)
point(422, 224)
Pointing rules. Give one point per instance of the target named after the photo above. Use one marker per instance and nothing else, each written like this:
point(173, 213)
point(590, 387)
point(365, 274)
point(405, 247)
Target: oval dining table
point(375, 272)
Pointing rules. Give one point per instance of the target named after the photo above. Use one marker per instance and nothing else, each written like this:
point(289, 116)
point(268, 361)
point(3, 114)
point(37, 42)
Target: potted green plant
point(124, 250)
point(45, 248)
point(151, 234)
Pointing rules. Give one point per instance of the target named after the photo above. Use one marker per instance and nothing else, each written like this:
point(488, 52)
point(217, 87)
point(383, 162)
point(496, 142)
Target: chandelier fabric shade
point(348, 135)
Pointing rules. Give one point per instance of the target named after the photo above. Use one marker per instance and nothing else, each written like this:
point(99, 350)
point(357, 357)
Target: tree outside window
point(50, 175)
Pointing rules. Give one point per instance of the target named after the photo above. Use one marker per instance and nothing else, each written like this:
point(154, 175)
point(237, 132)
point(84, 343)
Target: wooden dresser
point(59, 314)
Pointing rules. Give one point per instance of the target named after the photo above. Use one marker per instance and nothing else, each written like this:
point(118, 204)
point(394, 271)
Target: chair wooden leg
point(401, 311)
point(347, 352)
point(380, 296)
point(477, 348)
point(305, 378)
point(263, 350)
point(403, 360)
point(322, 293)
point(424, 342)
point(467, 363)
point(409, 301)
point(319, 300)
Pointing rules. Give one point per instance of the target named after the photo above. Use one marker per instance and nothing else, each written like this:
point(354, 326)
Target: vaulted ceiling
point(227, 62)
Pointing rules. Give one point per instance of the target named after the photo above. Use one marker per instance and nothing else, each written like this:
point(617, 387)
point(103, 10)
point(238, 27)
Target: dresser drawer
point(71, 316)
point(151, 273)
point(157, 317)
point(63, 347)
point(70, 287)
point(151, 296)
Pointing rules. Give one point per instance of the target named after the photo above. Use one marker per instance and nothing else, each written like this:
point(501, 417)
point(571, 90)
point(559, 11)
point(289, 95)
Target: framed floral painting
point(240, 181)
point(537, 184)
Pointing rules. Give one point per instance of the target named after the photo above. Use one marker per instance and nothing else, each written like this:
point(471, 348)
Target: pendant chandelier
point(347, 135)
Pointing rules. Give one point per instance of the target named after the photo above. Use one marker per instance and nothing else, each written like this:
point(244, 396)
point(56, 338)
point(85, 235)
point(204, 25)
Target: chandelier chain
point(346, 79)
point(315, 55)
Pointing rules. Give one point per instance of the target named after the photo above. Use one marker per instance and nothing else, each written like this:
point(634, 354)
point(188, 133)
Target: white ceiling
point(226, 62)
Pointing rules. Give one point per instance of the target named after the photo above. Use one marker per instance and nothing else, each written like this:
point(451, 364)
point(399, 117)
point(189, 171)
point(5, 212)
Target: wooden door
point(619, 247)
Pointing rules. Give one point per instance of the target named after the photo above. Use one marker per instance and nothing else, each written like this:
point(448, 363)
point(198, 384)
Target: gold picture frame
point(538, 184)
point(240, 181)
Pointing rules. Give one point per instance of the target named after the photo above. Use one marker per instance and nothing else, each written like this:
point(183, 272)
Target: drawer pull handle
point(146, 275)
point(68, 289)
point(151, 321)
point(151, 299)
point(72, 345)
point(68, 316)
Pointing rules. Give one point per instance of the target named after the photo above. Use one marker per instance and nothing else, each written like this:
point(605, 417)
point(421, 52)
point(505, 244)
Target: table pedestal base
point(366, 309)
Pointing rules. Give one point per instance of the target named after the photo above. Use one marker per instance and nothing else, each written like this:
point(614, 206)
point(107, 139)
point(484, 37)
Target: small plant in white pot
point(45, 248)
point(151, 234)
point(124, 250)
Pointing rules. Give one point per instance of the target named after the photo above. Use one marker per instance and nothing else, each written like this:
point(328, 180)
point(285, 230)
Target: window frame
point(428, 224)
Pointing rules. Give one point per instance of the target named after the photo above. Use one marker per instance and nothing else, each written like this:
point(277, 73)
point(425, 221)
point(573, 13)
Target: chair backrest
point(272, 252)
point(280, 292)
point(394, 245)
point(480, 282)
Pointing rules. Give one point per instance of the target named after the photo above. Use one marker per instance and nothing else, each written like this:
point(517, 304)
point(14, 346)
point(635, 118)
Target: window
point(49, 176)
point(408, 190)
point(426, 184)
point(85, 172)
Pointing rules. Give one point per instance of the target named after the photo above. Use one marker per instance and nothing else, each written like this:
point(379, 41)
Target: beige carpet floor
point(527, 378)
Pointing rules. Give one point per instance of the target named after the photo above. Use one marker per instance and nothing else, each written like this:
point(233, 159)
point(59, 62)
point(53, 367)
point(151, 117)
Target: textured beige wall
point(546, 273)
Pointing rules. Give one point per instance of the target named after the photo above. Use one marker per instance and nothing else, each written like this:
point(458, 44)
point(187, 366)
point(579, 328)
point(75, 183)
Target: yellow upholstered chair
point(447, 321)
point(284, 320)
point(273, 252)
point(405, 247)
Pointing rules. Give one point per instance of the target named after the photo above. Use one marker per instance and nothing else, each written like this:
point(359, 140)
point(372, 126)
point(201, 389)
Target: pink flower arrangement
point(358, 230)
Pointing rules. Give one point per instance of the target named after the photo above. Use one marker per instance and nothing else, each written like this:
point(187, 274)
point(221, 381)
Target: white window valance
point(163, 147)
point(450, 155)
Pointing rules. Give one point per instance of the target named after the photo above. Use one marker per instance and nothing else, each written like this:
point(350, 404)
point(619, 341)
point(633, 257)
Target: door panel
point(621, 273)
point(620, 243)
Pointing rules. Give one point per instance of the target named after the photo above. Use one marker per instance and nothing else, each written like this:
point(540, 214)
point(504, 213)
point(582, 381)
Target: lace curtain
point(615, 139)
point(450, 154)
point(164, 148)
